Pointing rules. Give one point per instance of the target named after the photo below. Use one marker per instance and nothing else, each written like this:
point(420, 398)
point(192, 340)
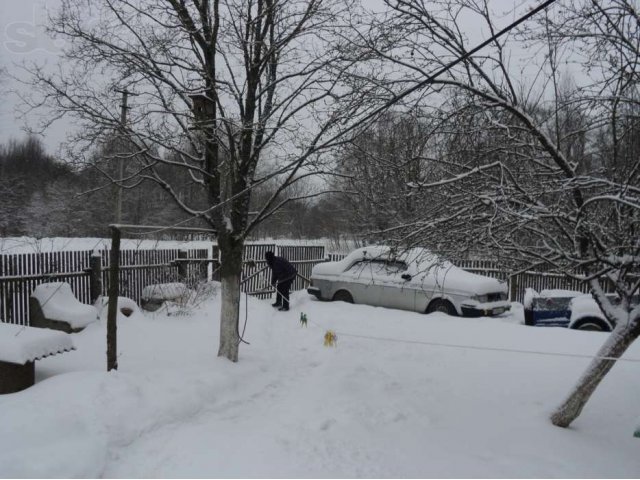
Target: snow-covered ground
point(400, 395)
point(15, 245)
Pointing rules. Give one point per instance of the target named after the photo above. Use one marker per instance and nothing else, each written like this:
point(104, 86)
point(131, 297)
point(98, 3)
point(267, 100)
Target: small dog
point(330, 339)
point(303, 319)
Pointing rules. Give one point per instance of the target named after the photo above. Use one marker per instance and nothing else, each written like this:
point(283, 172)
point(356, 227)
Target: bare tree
point(232, 92)
point(379, 166)
point(524, 172)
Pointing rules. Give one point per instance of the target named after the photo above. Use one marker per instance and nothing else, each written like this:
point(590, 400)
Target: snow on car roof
point(422, 263)
point(420, 256)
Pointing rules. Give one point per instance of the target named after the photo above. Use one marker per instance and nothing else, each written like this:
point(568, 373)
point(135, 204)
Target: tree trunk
point(615, 346)
point(230, 272)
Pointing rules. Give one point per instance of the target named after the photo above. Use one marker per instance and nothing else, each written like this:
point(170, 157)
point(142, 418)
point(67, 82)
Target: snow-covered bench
point(53, 305)
point(20, 347)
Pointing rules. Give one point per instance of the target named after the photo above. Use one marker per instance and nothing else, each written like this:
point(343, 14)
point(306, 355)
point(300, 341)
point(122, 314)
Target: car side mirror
point(406, 276)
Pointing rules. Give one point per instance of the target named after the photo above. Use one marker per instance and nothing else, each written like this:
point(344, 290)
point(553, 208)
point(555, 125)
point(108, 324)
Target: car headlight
point(480, 298)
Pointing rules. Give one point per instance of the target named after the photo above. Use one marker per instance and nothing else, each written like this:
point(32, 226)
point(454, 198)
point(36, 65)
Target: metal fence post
point(215, 264)
point(513, 288)
point(95, 279)
point(183, 266)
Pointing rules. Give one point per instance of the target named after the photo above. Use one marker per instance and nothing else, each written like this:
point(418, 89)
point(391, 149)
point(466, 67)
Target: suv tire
point(591, 324)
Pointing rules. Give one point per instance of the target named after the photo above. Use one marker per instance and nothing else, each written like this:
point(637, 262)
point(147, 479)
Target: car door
point(363, 283)
point(397, 292)
point(428, 284)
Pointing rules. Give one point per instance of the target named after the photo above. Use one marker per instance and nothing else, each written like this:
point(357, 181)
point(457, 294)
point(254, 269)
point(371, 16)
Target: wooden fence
point(257, 277)
point(21, 273)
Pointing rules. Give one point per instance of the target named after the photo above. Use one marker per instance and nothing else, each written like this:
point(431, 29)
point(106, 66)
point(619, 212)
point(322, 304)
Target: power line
point(491, 349)
point(447, 67)
point(491, 39)
point(388, 104)
point(475, 347)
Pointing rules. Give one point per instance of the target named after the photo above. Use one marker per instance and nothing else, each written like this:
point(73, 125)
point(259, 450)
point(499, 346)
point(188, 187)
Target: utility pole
point(119, 188)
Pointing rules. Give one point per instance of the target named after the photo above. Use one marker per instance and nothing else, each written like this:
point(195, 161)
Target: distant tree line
point(44, 196)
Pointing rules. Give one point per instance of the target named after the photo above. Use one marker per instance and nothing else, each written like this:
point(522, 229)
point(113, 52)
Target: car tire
point(528, 317)
point(444, 306)
point(591, 324)
point(342, 296)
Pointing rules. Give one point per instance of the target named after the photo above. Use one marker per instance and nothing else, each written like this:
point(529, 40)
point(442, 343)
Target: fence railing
point(21, 273)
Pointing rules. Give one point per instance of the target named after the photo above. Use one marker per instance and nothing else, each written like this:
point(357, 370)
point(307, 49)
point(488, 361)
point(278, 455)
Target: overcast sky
point(24, 40)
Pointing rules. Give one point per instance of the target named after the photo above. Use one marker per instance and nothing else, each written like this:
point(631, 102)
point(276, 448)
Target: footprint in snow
point(327, 424)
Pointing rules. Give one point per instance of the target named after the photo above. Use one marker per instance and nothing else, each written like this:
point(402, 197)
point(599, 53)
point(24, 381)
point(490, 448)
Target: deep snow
point(385, 402)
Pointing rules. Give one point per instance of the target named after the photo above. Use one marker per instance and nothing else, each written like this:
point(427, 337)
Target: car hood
point(585, 306)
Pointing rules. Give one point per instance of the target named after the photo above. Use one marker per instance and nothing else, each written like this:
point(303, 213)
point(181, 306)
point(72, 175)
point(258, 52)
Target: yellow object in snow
point(330, 339)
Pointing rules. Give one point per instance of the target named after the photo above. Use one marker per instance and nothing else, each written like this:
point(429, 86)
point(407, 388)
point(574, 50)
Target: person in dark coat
point(282, 276)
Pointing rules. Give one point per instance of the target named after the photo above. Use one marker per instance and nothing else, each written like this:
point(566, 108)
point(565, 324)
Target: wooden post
point(95, 280)
point(513, 288)
point(215, 265)
point(182, 266)
point(114, 271)
point(123, 122)
point(203, 269)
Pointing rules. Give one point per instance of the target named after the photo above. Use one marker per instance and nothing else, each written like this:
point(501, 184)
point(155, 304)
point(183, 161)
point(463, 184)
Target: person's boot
point(283, 309)
point(276, 305)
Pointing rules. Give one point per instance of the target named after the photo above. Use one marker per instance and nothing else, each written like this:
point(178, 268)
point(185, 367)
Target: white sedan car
point(414, 280)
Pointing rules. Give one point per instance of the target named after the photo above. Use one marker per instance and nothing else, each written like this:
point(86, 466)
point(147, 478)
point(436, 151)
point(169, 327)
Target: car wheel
point(443, 306)
point(343, 296)
point(591, 324)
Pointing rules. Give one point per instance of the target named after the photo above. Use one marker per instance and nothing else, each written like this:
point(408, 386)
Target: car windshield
point(376, 268)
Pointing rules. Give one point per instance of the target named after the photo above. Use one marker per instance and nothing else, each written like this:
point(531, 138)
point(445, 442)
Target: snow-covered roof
point(559, 293)
point(59, 303)
point(20, 344)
